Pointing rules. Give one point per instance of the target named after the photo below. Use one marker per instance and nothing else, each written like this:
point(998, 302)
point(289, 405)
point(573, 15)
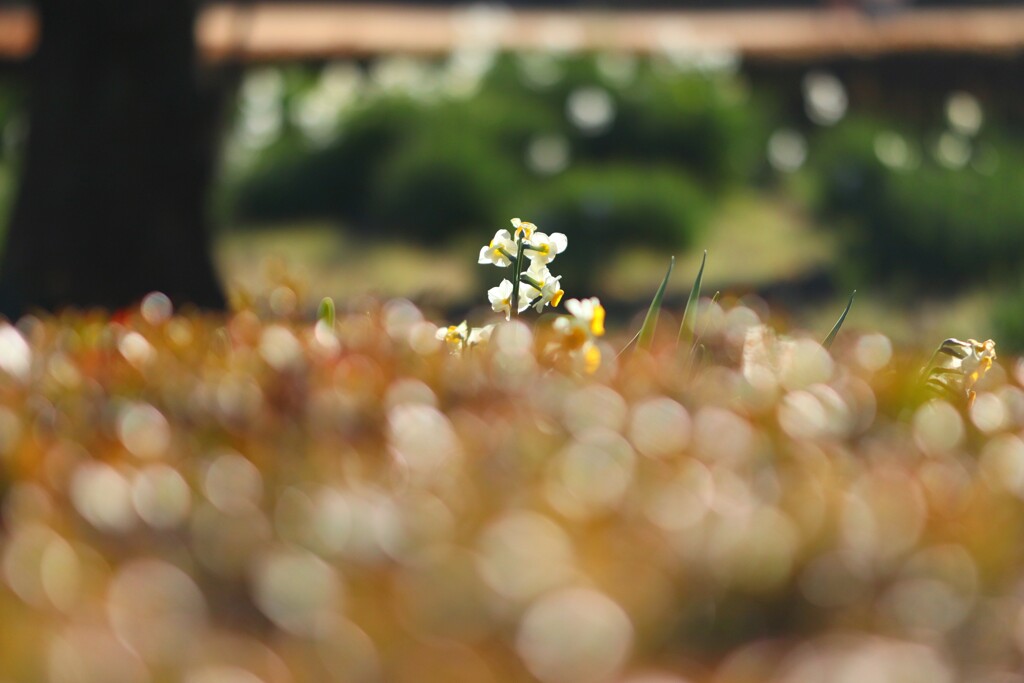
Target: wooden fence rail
point(269, 32)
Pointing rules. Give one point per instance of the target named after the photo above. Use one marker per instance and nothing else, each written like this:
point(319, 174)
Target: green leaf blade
point(839, 323)
point(686, 328)
point(646, 336)
point(326, 311)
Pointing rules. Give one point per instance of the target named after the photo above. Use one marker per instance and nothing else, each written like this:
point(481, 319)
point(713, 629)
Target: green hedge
point(1008, 318)
point(605, 208)
point(709, 124)
point(417, 168)
point(333, 182)
point(700, 123)
point(440, 186)
point(926, 221)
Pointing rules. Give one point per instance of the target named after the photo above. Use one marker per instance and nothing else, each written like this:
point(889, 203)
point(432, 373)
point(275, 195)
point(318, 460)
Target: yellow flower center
point(575, 338)
point(526, 230)
point(597, 322)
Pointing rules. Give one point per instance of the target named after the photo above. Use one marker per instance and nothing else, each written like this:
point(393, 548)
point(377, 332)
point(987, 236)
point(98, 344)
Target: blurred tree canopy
point(121, 143)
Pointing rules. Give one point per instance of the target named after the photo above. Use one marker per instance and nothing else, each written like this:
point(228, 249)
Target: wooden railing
point(267, 32)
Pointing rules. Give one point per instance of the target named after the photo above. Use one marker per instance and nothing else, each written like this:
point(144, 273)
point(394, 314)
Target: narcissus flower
point(957, 366)
point(589, 311)
point(454, 335)
point(480, 335)
point(542, 248)
point(539, 282)
point(523, 228)
point(501, 299)
point(536, 286)
point(462, 336)
point(501, 251)
point(578, 332)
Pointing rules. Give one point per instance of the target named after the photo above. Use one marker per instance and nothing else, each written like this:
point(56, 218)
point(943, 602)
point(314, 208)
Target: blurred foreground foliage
point(259, 497)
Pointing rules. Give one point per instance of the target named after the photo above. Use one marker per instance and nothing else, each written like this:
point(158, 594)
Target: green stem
point(530, 281)
point(518, 272)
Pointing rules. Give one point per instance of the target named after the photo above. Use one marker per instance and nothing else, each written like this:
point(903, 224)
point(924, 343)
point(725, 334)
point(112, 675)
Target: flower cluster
point(529, 251)
point(533, 286)
point(577, 333)
point(461, 337)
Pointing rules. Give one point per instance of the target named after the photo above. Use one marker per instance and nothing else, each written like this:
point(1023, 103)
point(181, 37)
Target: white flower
point(480, 335)
point(577, 343)
point(588, 311)
point(979, 359)
point(957, 366)
point(543, 248)
point(454, 335)
point(578, 332)
point(501, 251)
point(523, 228)
point(501, 299)
point(541, 283)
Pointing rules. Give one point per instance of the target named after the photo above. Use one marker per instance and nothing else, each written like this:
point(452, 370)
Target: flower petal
point(560, 242)
point(575, 307)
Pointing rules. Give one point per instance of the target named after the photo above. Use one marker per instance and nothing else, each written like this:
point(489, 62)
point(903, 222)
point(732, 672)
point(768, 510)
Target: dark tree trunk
point(113, 197)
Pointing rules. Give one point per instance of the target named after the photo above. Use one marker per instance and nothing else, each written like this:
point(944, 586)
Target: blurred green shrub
point(439, 186)
point(606, 207)
point(335, 181)
point(423, 166)
point(703, 124)
point(12, 134)
point(936, 209)
point(1008, 318)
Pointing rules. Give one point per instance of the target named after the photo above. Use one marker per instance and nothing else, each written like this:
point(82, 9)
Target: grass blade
point(698, 351)
point(646, 336)
point(326, 311)
point(628, 344)
point(686, 328)
point(707, 320)
point(839, 323)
